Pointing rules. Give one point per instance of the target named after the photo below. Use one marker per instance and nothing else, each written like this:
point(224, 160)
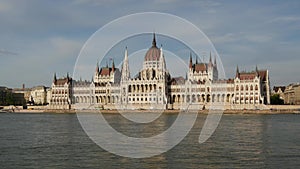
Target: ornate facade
point(154, 88)
point(61, 93)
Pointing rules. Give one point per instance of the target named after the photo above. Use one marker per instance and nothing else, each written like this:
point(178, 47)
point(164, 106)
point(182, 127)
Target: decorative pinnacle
point(154, 41)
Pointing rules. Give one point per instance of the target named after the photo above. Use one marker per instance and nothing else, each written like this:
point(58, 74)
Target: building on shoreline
point(279, 90)
point(154, 88)
point(292, 94)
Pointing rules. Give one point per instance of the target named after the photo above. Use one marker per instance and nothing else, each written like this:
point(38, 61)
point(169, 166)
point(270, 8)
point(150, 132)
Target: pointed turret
point(191, 61)
point(113, 66)
point(125, 67)
point(154, 41)
point(256, 71)
point(215, 62)
point(162, 60)
point(97, 69)
point(54, 78)
point(210, 64)
point(237, 73)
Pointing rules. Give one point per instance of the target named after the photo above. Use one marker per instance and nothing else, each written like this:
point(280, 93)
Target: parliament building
point(154, 88)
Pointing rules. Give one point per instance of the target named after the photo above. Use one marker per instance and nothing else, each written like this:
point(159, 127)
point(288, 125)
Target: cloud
point(282, 19)
point(6, 52)
point(65, 47)
point(4, 6)
point(48, 36)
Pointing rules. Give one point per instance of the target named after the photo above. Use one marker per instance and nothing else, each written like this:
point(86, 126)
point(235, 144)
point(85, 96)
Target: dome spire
point(153, 41)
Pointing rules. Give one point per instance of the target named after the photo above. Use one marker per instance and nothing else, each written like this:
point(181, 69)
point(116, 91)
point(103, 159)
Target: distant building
point(292, 94)
point(5, 93)
point(9, 96)
point(154, 88)
point(279, 90)
point(39, 95)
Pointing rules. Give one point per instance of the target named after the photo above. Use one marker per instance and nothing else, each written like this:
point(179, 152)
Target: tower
point(125, 68)
point(162, 61)
point(237, 73)
point(125, 76)
point(96, 74)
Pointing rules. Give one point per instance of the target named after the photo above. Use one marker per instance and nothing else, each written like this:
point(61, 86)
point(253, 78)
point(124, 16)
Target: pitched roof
point(276, 88)
point(262, 74)
point(200, 67)
point(247, 75)
point(62, 81)
point(251, 75)
point(177, 80)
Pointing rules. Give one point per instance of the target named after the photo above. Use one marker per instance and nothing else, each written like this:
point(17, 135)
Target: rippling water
point(240, 141)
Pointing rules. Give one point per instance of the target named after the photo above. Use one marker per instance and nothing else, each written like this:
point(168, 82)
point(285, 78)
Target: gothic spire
point(113, 66)
point(237, 71)
point(97, 68)
point(215, 61)
point(125, 67)
point(191, 61)
point(256, 70)
point(162, 59)
point(210, 61)
point(154, 41)
point(54, 78)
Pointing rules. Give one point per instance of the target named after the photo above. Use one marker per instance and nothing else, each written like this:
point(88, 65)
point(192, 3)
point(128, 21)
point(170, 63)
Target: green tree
point(276, 100)
point(9, 99)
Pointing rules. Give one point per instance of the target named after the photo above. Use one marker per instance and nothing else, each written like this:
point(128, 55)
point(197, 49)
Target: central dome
point(153, 53)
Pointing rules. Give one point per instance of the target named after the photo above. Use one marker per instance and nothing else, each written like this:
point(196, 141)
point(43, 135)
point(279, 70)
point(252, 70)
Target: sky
point(39, 37)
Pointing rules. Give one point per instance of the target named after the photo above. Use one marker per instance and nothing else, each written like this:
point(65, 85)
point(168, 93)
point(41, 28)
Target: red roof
point(105, 71)
point(62, 81)
point(251, 75)
point(200, 67)
point(177, 80)
point(263, 74)
point(247, 75)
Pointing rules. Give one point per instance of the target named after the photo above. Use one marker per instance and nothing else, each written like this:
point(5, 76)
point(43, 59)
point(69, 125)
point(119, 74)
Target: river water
point(240, 141)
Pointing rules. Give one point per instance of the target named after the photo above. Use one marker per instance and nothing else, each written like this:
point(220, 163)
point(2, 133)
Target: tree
point(276, 100)
point(9, 99)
